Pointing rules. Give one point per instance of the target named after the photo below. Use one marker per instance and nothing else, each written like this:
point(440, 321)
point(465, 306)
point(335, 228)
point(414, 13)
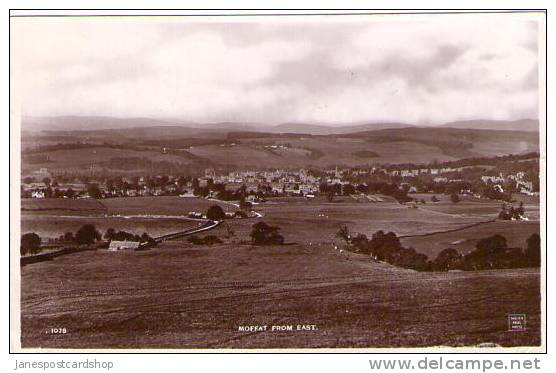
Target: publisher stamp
point(517, 322)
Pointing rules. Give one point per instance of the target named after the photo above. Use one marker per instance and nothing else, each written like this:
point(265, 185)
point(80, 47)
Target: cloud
point(277, 70)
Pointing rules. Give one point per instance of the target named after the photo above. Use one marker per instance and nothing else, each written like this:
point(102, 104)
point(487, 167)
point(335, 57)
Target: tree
point(491, 252)
point(384, 246)
point(491, 243)
point(70, 193)
point(148, 239)
point(68, 237)
point(109, 234)
point(360, 243)
point(229, 231)
point(215, 212)
point(264, 234)
point(330, 196)
point(348, 189)
point(504, 213)
point(434, 199)
point(94, 191)
point(343, 233)
point(447, 259)
point(244, 205)
point(533, 250)
point(87, 235)
point(30, 243)
point(454, 198)
point(520, 211)
point(363, 188)
point(48, 192)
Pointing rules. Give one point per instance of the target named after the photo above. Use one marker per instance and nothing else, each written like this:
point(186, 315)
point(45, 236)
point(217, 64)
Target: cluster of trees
point(216, 212)
point(264, 234)
point(51, 189)
point(491, 191)
point(221, 193)
point(30, 244)
point(454, 198)
point(112, 234)
point(467, 177)
point(398, 191)
point(86, 235)
point(330, 190)
point(511, 213)
point(386, 247)
point(490, 253)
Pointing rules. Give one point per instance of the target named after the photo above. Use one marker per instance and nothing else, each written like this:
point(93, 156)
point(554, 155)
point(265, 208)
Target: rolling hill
point(315, 129)
point(87, 125)
point(530, 125)
point(154, 147)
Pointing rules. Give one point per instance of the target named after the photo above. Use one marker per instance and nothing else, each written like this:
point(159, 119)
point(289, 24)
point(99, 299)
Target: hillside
point(180, 296)
point(260, 149)
point(530, 125)
point(314, 129)
point(90, 125)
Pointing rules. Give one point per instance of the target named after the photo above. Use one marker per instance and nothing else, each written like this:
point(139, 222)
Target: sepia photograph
point(278, 182)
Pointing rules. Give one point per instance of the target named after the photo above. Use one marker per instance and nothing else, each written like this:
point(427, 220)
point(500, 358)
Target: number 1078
point(56, 331)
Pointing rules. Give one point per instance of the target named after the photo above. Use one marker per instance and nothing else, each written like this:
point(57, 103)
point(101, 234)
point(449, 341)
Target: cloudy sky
point(336, 69)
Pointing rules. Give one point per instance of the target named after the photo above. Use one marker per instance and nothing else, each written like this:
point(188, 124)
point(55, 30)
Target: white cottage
point(123, 245)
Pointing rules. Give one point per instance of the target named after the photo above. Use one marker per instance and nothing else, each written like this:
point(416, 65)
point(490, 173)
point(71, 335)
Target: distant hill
point(142, 148)
point(91, 123)
point(318, 129)
point(181, 127)
point(69, 125)
point(530, 125)
point(156, 132)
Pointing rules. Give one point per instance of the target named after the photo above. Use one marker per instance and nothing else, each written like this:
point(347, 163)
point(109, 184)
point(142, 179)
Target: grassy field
point(85, 157)
point(515, 232)
point(416, 145)
point(179, 296)
point(52, 226)
point(66, 204)
point(166, 205)
point(472, 206)
point(182, 296)
point(318, 221)
point(50, 218)
point(251, 153)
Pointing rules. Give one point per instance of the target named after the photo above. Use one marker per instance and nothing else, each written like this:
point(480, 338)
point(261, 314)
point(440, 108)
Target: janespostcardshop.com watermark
point(64, 364)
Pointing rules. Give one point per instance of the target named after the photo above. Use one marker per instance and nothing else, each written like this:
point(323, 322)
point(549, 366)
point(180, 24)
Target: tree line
point(85, 235)
point(490, 253)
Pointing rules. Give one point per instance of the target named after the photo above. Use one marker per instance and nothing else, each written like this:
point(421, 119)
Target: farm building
point(123, 245)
